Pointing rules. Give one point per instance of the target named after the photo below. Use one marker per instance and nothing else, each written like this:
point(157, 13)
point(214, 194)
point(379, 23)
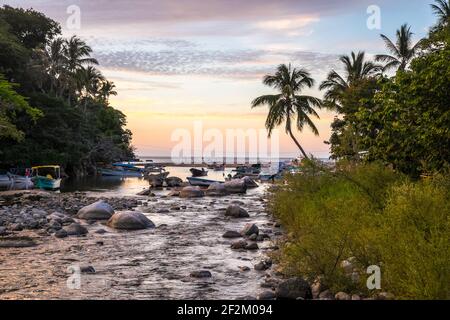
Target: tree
point(356, 68)
point(402, 52)
point(11, 103)
point(289, 103)
point(441, 8)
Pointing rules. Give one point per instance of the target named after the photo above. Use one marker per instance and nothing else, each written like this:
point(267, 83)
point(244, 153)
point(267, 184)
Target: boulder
point(75, 229)
point(241, 244)
point(251, 246)
point(250, 183)
point(99, 210)
point(250, 229)
point(236, 211)
point(201, 274)
point(293, 289)
point(342, 296)
point(173, 182)
point(61, 233)
point(216, 190)
point(267, 295)
point(235, 186)
point(232, 235)
point(130, 220)
point(191, 192)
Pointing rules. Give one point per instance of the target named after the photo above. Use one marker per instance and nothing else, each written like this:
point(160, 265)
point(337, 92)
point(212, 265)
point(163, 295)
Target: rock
point(61, 233)
point(17, 242)
point(175, 208)
point(75, 229)
point(263, 265)
point(241, 244)
point(16, 227)
point(355, 297)
point(156, 182)
point(3, 231)
point(250, 229)
point(174, 193)
point(191, 192)
point(244, 269)
point(251, 246)
point(293, 288)
point(235, 186)
point(130, 220)
point(216, 190)
point(236, 211)
point(267, 295)
point(249, 183)
point(99, 210)
point(163, 211)
point(87, 269)
point(173, 182)
point(231, 235)
point(326, 295)
point(100, 231)
point(342, 296)
point(253, 237)
point(201, 274)
point(145, 192)
point(385, 296)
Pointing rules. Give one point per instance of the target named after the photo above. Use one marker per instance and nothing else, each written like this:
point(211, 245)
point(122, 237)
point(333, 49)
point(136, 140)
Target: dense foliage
point(367, 215)
point(54, 103)
point(403, 120)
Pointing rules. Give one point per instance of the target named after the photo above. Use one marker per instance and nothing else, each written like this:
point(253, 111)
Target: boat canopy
point(46, 167)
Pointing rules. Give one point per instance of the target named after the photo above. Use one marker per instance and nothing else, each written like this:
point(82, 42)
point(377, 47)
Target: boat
point(216, 167)
point(159, 176)
point(254, 169)
point(5, 180)
point(198, 173)
point(119, 172)
point(47, 177)
point(21, 178)
point(201, 182)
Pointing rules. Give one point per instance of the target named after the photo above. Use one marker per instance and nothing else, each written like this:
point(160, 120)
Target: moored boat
point(198, 173)
point(47, 177)
point(201, 182)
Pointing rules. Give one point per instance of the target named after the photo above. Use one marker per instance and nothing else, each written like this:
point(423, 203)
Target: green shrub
point(359, 213)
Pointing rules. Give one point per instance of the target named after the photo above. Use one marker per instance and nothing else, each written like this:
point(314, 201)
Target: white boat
point(119, 172)
point(21, 183)
point(5, 181)
point(200, 182)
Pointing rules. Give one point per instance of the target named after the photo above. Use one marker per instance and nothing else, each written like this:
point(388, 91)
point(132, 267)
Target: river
point(148, 264)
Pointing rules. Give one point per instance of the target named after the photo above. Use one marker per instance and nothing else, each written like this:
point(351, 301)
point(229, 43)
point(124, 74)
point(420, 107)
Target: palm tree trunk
point(297, 143)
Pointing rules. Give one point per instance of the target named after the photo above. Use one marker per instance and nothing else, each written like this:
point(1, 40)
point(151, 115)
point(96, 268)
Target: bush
point(359, 213)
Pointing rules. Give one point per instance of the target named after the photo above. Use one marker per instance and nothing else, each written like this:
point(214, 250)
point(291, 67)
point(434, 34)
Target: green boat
point(46, 177)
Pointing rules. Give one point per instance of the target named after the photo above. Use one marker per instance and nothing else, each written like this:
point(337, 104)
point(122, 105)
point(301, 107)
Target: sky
point(175, 62)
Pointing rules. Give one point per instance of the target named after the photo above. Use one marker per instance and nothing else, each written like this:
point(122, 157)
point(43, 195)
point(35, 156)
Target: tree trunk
point(297, 143)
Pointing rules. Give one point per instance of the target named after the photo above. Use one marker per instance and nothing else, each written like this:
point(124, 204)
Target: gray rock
point(216, 190)
point(75, 229)
point(250, 183)
point(201, 274)
point(241, 244)
point(267, 295)
point(235, 186)
point(326, 295)
point(17, 242)
point(293, 289)
point(236, 211)
point(253, 237)
point(244, 269)
point(250, 229)
point(130, 220)
point(252, 246)
point(173, 182)
point(87, 269)
point(61, 233)
point(232, 235)
point(263, 265)
point(342, 296)
point(191, 192)
point(99, 210)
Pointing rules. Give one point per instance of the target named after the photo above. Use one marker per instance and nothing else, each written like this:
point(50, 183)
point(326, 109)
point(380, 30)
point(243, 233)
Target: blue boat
point(200, 182)
point(46, 177)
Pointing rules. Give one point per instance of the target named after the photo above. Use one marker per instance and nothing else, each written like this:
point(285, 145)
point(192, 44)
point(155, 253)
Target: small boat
point(254, 169)
point(123, 170)
point(201, 182)
point(198, 173)
point(159, 176)
point(46, 177)
point(5, 181)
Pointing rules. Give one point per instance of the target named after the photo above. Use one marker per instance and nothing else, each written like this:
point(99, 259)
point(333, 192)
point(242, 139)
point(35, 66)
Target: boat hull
point(200, 182)
point(119, 173)
point(47, 184)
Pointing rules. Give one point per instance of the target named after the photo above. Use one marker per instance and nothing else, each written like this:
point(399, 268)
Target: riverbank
point(192, 238)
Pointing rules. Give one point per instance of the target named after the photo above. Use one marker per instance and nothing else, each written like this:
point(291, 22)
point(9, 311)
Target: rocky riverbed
point(196, 248)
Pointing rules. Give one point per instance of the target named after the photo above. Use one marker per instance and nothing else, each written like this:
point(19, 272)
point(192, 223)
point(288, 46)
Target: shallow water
point(149, 264)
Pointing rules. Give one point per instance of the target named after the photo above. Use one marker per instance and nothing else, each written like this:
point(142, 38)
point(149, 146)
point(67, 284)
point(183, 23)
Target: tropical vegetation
point(54, 103)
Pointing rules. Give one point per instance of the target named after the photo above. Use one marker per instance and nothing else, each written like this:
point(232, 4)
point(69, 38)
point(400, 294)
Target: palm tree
point(442, 9)
point(402, 52)
point(56, 62)
point(88, 82)
point(107, 90)
point(289, 103)
point(356, 68)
